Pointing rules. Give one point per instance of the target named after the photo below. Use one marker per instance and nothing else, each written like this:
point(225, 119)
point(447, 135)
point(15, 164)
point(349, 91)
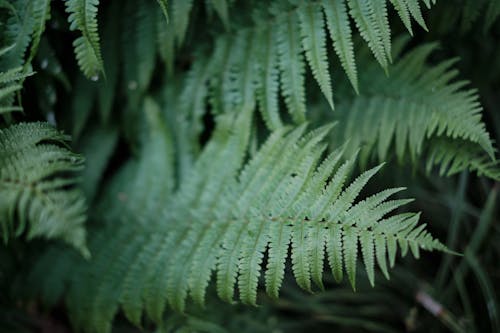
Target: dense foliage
point(225, 154)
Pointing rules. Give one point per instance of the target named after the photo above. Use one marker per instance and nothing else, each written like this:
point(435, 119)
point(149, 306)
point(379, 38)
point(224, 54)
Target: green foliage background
point(168, 165)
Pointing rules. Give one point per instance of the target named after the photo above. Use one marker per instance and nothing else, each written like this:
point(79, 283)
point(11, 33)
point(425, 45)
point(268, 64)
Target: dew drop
point(44, 64)
point(95, 78)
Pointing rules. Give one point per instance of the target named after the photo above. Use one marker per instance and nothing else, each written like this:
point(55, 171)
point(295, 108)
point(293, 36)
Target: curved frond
point(416, 103)
point(17, 33)
point(83, 17)
point(36, 195)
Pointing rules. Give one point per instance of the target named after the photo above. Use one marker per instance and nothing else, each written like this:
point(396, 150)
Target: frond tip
point(36, 196)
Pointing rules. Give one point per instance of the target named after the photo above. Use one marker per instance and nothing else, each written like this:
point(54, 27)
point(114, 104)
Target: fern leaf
point(267, 91)
point(33, 188)
point(313, 42)
point(429, 103)
point(278, 249)
point(291, 64)
point(362, 12)
point(404, 13)
point(17, 33)
point(416, 13)
point(83, 17)
point(340, 32)
point(382, 23)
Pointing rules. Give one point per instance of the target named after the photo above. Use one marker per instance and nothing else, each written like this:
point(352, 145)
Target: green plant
point(218, 167)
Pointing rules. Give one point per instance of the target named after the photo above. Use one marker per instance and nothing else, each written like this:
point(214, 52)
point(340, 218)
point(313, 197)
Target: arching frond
point(230, 214)
point(36, 193)
point(17, 33)
point(83, 17)
point(416, 102)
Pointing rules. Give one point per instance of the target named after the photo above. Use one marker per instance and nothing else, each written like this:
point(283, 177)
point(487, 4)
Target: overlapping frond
point(416, 103)
point(294, 35)
point(36, 191)
point(229, 215)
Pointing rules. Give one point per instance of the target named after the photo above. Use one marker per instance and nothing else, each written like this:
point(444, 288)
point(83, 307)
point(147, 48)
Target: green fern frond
point(230, 214)
point(453, 156)
point(340, 32)
point(313, 42)
point(296, 35)
point(34, 188)
point(8, 86)
point(416, 102)
point(83, 17)
point(17, 32)
point(10, 83)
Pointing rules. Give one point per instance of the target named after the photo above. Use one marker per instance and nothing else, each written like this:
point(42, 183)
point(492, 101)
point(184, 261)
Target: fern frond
point(83, 17)
point(340, 32)
point(313, 42)
point(416, 102)
point(296, 30)
point(230, 214)
point(292, 67)
point(452, 156)
point(10, 82)
point(33, 188)
point(18, 32)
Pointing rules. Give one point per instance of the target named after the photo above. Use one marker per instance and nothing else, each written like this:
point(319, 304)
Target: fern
point(83, 17)
point(371, 20)
point(414, 104)
point(282, 199)
point(34, 191)
point(199, 203)
point(17, 33)
point(10, 82)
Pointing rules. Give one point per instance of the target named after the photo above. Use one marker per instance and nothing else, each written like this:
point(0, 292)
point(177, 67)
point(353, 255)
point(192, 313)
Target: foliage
point(218, 167)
